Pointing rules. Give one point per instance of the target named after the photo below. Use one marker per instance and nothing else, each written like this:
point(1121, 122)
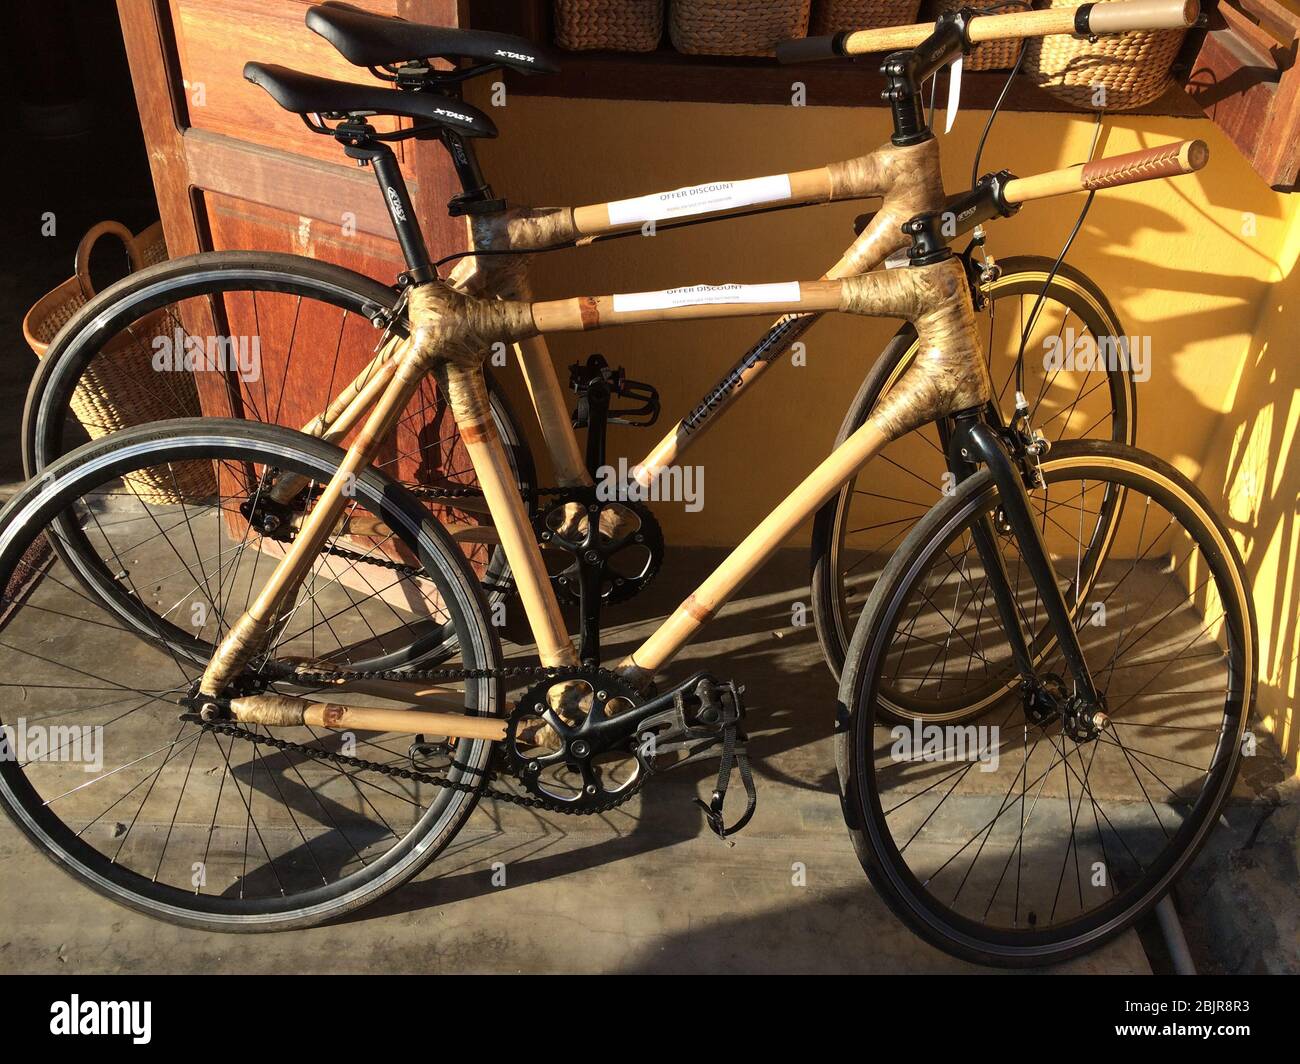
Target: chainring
point(572, 522)
point(563, 744)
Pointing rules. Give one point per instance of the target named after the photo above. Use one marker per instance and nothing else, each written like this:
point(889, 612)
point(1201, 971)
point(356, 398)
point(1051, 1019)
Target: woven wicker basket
point(611, 25)
point(838, 16)
point(736, 27)
point(1114, 73)
point(120, 387)
point(991, 55)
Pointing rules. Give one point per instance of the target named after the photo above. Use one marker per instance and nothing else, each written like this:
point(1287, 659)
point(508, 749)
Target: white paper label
point(897, 259)
point(705, 294)
point(954, 94)
point(699, 199)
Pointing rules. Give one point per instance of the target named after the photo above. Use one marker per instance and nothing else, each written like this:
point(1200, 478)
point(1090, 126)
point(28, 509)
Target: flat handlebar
point(1119, 16)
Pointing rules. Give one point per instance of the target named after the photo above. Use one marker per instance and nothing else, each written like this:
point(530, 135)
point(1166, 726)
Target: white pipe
point(1175, 941)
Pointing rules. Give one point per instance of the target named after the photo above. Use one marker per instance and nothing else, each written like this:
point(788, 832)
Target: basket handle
point(88, 242)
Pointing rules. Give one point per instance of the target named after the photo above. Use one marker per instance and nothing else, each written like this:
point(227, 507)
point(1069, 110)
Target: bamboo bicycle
point(1095, 767)
point(349, 326)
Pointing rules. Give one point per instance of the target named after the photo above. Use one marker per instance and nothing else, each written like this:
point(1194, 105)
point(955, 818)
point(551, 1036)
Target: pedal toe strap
point(734, 755)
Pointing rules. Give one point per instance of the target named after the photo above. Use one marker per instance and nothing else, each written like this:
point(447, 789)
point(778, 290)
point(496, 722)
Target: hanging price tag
point(954, 93)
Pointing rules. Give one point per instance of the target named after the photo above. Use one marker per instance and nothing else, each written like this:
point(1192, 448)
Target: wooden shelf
point(669, 75)
point(1242, 74)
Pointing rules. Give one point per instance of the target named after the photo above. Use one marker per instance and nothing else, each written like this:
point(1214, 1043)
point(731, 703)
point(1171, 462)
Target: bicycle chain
point(421, 491)
point(513, 672)
point(416, 775)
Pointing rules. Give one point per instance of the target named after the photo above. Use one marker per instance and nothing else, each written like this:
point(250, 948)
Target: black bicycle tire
point(39, 501)
point(49, 396)
point(873, 852)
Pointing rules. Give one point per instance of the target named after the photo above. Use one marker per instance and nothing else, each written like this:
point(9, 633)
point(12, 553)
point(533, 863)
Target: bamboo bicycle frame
point(454, 324)
point(452, 331)
point(906, 179)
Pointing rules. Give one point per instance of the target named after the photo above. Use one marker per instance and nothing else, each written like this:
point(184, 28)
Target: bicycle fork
point(975, 442)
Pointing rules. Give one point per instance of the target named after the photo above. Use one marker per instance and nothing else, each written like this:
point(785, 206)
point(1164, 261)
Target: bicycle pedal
point(599, 382)
point(420, 750)
point(646, 411)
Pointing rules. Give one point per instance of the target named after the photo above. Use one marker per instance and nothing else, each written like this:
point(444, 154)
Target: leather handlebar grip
point(1169, 160)
point(1143, 15)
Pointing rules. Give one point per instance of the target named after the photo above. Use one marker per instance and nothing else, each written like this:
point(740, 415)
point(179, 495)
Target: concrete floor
point(645, 888)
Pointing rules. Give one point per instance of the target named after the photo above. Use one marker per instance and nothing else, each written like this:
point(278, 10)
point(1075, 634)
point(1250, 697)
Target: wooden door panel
point(215, 38)
point(233, 170)
point(307, 354)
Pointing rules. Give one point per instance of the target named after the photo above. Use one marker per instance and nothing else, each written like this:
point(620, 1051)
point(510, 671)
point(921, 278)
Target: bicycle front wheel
point(1006, 840)
point(223, 831)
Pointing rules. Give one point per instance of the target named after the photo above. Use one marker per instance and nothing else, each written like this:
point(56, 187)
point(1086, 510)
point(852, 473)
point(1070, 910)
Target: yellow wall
point(1252, 463)
point(1204, 265)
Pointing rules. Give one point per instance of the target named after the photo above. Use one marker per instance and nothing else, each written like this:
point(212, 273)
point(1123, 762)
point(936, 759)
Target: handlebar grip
point(1169, 160)
point(1129, 15)
point(1115, 16)
point(885, 39)
point(805, 49)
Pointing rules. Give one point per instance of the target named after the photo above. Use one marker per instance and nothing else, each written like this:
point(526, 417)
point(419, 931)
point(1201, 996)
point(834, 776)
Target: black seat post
point(476, 195)
point(402, 211)
point(358, 140)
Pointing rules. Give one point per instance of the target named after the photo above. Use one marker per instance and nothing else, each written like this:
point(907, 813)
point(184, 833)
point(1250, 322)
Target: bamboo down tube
point(753, 551)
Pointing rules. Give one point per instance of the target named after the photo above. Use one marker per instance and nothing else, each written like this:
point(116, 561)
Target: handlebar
point(1168, 160)
point(1118, 16)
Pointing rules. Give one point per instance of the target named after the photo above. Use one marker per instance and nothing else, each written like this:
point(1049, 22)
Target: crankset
point(580, 741)
point(584, 743)
point(617, 546)
point(616, 549)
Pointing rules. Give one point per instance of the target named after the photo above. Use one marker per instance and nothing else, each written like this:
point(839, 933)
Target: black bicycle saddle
point(369, 40)
point(307, 94)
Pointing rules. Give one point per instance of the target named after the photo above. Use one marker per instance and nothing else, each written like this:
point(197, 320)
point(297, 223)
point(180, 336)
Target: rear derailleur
point(607, 740)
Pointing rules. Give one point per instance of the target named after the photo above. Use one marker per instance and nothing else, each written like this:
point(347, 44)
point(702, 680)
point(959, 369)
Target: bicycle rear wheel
point(1082, 396)
point(207, 830)
point(232, 334)
point(1004, 840)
